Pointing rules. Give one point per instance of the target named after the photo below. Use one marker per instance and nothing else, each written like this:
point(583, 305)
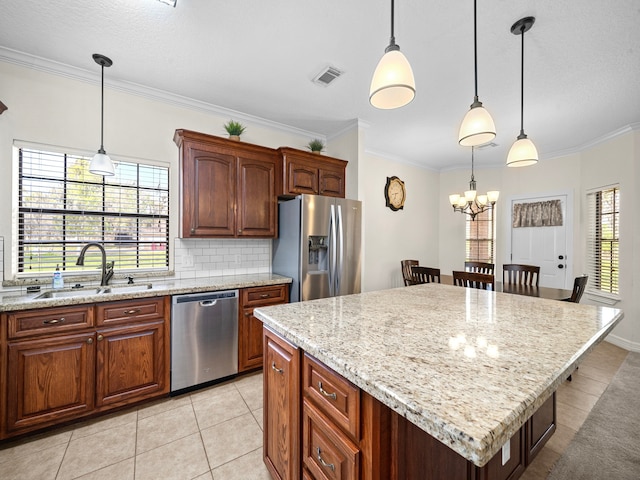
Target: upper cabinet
point(227, 188)
point(307, 172)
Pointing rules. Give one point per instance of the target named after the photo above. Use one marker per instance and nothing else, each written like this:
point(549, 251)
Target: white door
point(547, 247)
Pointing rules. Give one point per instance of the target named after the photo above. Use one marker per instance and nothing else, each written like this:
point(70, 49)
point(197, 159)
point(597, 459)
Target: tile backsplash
point(211, 257)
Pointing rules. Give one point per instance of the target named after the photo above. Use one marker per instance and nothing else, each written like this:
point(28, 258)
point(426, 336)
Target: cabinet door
point(209, 183)
point(250, 335)
point(49, 380)
point(331, 182)
point(302, 177)
point(257, 197)
point(131, 364)
point(281, 407)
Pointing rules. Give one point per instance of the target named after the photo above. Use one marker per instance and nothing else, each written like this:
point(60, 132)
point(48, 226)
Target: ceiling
point(582, 64)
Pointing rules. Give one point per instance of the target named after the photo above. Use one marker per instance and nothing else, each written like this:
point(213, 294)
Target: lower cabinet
point(281, 421)
point(69, 362)
point(250, 328)
point(347, 434)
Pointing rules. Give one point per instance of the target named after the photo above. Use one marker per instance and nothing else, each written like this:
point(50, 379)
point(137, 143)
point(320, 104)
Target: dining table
point(519, 289)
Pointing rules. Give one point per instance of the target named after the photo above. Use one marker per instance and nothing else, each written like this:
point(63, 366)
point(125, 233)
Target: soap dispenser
point(58, 281)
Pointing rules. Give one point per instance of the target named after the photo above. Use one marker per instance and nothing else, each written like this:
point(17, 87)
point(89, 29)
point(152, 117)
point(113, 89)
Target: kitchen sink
point(84, 292)
point(126, 288)
point(69, 293)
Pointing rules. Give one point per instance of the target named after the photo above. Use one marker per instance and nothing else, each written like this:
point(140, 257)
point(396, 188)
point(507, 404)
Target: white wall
point(410, 233)
point(56, 110)
point(608, 161)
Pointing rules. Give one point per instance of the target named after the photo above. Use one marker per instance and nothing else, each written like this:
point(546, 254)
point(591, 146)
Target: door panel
point(543, 246)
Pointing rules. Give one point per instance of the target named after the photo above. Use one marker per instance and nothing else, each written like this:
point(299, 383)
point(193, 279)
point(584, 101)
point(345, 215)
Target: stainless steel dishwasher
point(204, 338)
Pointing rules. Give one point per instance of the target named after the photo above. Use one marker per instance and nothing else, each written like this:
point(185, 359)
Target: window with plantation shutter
point(480, 237)
point(603, 236)
point(62, 207)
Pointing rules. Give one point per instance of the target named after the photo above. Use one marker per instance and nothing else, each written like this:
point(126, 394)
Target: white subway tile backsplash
point(210, 257)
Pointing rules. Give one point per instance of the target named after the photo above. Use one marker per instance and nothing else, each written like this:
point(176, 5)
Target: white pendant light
point(392, 85)
point(477, 127)
point(101, 164)
point(523, 152)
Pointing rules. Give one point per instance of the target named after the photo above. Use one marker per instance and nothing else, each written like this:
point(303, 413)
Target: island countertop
point(467, 366)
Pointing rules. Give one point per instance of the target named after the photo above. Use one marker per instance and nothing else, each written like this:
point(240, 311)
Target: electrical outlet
point(506, 452)
point(238, 259)
point(187, 260)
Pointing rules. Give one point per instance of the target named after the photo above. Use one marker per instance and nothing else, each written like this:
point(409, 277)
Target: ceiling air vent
point(327, 76)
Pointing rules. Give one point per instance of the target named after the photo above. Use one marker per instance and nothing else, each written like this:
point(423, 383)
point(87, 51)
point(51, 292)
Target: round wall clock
point(395, 193)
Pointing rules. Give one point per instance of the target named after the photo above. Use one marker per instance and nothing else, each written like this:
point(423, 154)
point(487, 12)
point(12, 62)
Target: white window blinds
point(480, 237)
point(62, 207)
point(603, 236)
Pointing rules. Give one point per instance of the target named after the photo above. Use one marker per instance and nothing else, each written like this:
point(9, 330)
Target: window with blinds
point(62, 207)
point(603, 239)
point(480, 237)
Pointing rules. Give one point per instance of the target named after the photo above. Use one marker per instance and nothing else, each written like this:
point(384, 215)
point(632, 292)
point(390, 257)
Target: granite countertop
point(12, 300)
point(467, 366)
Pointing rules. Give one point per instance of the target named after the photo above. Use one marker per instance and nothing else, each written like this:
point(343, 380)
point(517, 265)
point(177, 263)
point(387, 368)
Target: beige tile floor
point(216, 434)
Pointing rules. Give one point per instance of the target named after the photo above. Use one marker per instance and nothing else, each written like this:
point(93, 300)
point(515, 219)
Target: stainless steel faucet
point(107, 267)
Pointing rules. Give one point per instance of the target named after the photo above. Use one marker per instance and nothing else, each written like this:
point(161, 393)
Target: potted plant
point(316, 145)
point(234, 129)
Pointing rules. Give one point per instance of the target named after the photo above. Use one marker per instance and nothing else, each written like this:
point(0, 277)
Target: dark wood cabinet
point(227, 188)
point(307, 172)
point(540, 427)
point(66, 363)
point(49, 380)
point(281, 421)
point(250, 328)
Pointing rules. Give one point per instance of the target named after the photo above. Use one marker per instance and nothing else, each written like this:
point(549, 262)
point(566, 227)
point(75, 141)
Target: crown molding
point(56, 68)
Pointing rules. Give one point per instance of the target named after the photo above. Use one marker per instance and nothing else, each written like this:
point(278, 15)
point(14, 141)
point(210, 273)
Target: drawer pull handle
point(53, 321)
point(265, 295)
point(325, 464)
point(132, 311)
point(327, 394)
point(279, 370)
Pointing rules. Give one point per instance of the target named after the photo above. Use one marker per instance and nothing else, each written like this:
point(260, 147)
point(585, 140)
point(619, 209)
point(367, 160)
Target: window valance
point(537, 214)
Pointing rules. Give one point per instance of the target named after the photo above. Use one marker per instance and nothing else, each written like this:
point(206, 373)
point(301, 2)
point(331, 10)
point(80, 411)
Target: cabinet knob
point(193, 230)
point(53, 321)
point(239, 230)
point(90, 340)
point(100, 338)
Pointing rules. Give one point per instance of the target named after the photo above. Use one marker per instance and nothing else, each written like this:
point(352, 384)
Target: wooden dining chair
point(520, 274)
point(479, 267)
point(424, 275)
point(579, 286)
point(406, 271)
point(482, 281)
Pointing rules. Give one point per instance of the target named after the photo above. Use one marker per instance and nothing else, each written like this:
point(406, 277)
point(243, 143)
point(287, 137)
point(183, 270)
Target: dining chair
point(479, 267)
point(520, 274)
point(579, 285)
point(482, 281)
point(424, 275)
point(406, 270)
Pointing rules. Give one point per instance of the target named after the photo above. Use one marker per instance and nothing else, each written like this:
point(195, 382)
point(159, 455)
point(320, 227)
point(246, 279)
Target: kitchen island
point(467, 367)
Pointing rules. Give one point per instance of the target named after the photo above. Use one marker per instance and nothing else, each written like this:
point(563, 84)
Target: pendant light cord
point(102, 112)
point(475, 52)
point(522, 29)
point(392, 41)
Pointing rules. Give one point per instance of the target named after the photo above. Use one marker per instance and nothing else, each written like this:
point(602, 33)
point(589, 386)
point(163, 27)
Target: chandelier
point(471, 203)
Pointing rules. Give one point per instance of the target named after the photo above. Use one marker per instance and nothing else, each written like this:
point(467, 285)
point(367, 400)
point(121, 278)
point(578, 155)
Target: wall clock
point(395, 193)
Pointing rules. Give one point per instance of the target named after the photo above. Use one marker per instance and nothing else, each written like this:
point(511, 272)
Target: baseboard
point(623, 343)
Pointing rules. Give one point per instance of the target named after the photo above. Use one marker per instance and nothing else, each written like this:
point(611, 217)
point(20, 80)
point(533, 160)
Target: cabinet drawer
point(326, 452)
point(127, 311)
point(261, 296)
point(49, 320)
point(334, 395)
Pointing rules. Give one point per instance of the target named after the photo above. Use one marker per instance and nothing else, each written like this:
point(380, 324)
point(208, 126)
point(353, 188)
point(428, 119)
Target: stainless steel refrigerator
point(319, 246)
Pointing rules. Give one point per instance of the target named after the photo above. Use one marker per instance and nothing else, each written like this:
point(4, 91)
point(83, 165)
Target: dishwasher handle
point(208, 303)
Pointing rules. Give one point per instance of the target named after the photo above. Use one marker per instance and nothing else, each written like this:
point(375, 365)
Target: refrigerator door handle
point(332, 251)
point(340, 252)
